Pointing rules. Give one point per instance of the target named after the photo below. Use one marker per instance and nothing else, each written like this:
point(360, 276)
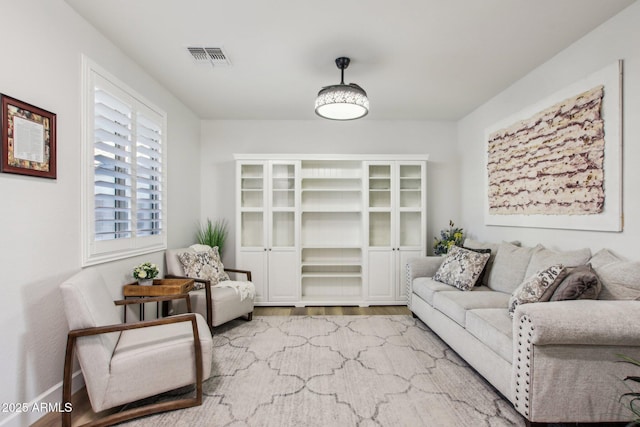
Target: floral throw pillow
point(538, 287)
point(203, 265)
point(461, 268)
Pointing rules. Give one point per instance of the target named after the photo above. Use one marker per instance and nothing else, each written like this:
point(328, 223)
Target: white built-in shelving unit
point(327, 230)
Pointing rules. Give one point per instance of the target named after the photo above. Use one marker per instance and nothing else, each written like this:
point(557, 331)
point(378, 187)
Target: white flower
point(142, 274)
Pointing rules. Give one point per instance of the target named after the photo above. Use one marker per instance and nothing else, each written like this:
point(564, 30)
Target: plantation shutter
point(113, 168)
point(125, 199)
point(149, 175)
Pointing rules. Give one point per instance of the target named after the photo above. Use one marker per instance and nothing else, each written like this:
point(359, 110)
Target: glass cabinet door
point(252, 197)
point(283, 205)
point(411, 186)
point(410, 204)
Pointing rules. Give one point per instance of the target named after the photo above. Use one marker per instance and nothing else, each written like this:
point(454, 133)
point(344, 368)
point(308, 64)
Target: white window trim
point(124, 248)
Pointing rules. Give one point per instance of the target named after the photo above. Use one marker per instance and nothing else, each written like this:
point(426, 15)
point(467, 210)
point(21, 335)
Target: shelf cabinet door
point(381, 275)
point(397, 225)
point(284, 285)
point(268, 223)
point(256, 262)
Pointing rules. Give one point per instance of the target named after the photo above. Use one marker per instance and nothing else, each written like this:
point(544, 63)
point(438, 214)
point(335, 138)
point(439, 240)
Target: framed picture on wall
point(28, 139)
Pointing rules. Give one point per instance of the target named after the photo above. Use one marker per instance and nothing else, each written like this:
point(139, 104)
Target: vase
point(145, 282)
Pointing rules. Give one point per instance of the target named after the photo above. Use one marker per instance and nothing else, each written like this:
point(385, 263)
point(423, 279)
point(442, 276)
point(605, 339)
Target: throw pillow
point(581, 283)
point(461, 268)
point(481, 280)
point(203, 265)
point(537, 288)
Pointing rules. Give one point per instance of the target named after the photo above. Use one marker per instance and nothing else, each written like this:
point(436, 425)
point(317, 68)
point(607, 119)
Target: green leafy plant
point(632, 398)
point(213, 234)
point(448, 237)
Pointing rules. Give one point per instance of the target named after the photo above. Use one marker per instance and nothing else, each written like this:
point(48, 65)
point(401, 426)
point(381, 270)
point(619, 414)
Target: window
point(124, 170)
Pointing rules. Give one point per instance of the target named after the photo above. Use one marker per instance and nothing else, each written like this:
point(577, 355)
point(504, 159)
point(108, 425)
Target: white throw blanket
point(245, 289)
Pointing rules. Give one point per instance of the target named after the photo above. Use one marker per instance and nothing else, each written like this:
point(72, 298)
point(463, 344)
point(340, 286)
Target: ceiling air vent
point(209, 55)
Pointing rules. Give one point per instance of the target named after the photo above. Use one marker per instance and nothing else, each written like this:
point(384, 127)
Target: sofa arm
point(423, 266)
point(581, 322)
point(420, 267)
point(566, 363)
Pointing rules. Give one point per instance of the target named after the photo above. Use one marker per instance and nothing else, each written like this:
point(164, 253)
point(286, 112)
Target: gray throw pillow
point(581, 283)
point(461, 268)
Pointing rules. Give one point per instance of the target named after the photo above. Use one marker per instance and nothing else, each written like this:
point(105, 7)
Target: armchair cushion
point(166, 355)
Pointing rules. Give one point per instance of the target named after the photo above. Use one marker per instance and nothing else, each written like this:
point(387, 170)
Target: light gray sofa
point(555, 361)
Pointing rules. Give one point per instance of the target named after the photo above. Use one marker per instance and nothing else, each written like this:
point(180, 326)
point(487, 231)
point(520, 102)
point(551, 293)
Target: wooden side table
point(160, 287)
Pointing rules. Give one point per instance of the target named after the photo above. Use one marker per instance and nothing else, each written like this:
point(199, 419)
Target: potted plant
point(145, 273)
point(213, 234)
point(448, 237)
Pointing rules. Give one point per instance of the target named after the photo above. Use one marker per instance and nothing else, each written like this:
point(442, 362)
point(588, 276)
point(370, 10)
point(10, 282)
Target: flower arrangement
point(145, 271)
point(453, 236)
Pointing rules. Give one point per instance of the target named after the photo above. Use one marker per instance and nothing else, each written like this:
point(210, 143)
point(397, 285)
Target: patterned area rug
point(339, 371)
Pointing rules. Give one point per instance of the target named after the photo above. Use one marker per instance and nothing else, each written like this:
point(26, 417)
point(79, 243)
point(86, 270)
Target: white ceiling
point(417, 59)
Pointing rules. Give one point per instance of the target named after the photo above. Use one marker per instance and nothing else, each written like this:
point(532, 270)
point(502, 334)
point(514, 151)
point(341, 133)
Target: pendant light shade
point(342, 101)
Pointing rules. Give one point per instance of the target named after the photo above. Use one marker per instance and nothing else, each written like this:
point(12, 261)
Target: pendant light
point(342, 101)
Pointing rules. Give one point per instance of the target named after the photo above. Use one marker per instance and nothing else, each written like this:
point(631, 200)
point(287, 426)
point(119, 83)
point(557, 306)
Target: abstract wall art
point(557, 164)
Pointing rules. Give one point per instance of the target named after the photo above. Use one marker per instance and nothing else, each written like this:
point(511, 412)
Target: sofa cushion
point(603, 257)
point(426, 287)
point(537, 288)
point(461, 268)
point(581, 283)
point(509, 267)
point(454, 304)
point(620, 280)
point(494, 328)
point(543, 258)
point(474, 244)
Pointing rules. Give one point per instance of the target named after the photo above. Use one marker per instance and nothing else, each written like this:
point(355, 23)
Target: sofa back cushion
point(543, 258)
point(509, 267)
point(476, 245)
point(620, 280)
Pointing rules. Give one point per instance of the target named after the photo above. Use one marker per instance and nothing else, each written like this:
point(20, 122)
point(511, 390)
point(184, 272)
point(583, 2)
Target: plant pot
point(145, 282)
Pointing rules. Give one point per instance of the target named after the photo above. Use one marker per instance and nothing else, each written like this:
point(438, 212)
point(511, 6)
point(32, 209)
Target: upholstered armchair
point(218, 299)
point(126, 362)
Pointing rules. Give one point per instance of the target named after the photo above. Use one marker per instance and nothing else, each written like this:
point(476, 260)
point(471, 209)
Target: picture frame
point(28, 139)
point(611, 218)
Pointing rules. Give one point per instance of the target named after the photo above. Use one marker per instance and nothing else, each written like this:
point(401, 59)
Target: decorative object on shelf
point(342, 101)
point(145, 273)
point(633, 397)
point(452, 236)
point(213, 234)
point(28, 139)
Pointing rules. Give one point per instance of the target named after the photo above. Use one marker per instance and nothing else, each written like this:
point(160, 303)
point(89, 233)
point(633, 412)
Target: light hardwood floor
point(82, 412)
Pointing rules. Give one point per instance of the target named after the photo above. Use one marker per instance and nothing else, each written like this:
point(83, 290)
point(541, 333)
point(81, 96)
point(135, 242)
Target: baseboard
point(45, 403)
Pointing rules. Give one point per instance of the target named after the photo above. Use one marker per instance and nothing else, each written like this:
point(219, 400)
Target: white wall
point(221, 139)
point(615, 39)
point(40, 218)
